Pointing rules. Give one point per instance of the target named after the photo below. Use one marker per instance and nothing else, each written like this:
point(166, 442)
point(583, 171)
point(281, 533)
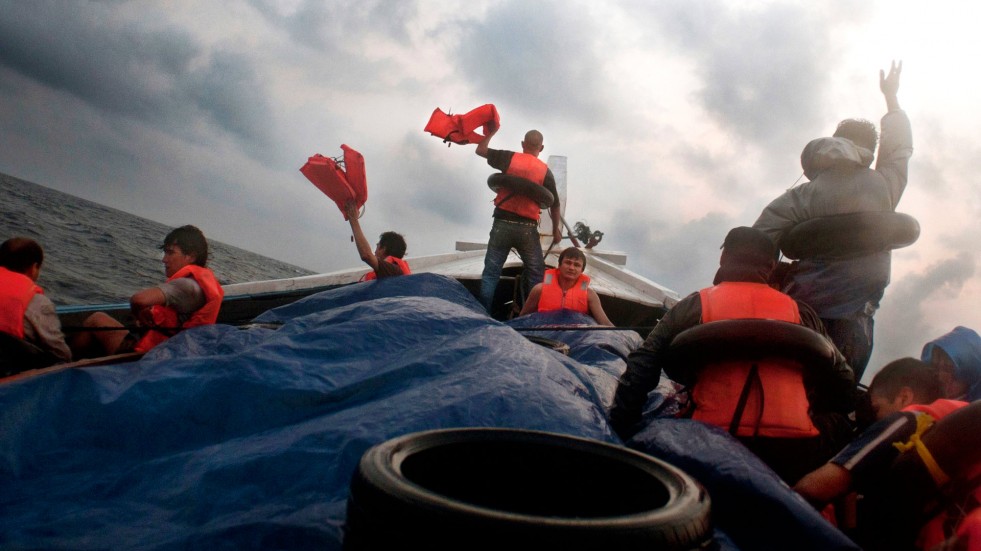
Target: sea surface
point(94, 254)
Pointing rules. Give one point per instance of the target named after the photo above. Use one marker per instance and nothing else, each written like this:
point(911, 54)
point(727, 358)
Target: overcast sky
point(680, 119)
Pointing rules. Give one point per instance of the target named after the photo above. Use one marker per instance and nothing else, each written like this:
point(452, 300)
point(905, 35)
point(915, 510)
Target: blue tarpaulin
point(227, 438)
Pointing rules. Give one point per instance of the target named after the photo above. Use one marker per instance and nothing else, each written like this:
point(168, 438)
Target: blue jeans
point(524, 239)
point(853, 336)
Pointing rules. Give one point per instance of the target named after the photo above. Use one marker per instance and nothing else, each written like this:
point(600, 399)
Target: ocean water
point(94, 254)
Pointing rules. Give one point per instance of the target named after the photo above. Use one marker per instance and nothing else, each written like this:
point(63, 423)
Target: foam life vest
point(957, 517)
point(16, 292)
point(166, 319)
point(576, 298)
point(394, 260)
point(340, 184)
point(462, 129)
point(777, 404)
point(530, 168)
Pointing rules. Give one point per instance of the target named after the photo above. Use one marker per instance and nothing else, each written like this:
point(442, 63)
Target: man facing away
point(25, 312)
point(386, 260)
point(516, 216)
point(783, 435)
point(191, 296)
point(567, 287)
point(846, 292)
point(902, 392)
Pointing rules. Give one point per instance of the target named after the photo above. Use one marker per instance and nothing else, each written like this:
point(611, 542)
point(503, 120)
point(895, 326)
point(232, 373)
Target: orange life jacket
point(340, 184)
point(462, 129)
point(777, 404)
point(530, 168)
point(394, 260)
point(939, 528)
point(16, 292)
point(554, 298)
point(165, 318)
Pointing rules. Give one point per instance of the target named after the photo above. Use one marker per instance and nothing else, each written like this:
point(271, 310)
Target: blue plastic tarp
point(232, 438)
point(247, 439)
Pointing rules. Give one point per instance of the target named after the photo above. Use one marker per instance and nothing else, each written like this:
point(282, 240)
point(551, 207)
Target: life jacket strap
point(752, 381)
point(923, 422)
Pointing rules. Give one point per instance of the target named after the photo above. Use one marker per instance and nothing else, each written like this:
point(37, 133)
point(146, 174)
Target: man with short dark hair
point(845, 292)
point(25, 313)
point(191, 296)
point(567, 287)
point(516, 216)
point(386, 260)
point(784, 435)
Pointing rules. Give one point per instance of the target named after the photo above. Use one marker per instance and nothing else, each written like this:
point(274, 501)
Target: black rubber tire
point(495, 488)
point(848, 235)
point(521, 186)
point(558, 346)
point(751, 339)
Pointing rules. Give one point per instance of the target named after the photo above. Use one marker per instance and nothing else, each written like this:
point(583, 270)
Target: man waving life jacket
point(567, 287)
point(386, 260)
point(782, 433)
point(190, 297)
point(516, 216)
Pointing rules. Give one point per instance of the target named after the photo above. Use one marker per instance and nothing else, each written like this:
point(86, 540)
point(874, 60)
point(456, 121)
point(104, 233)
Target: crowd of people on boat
point(790, 393)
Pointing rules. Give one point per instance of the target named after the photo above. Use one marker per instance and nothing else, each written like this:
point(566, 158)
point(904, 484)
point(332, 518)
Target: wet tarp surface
point(227, 438)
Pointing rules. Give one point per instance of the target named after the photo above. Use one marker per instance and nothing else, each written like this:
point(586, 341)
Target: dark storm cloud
point(159, 76)
point(682, 257)
point(434, 189)
point(764, 71)
point(906, 301)
point(341, 32)
point(535, 55)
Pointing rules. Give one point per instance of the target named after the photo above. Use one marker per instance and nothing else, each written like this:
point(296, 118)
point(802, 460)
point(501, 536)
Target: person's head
point(902, 383)
point(572, 262)
point(22, 255)
point(390, 244)
point(860, 131)
point(533, 143)
point(184, 246)
point(956, 357)
point(747, 251)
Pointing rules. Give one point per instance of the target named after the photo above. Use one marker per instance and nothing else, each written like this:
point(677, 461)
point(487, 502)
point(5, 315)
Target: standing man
point(386, 260)
point(845, 292)
point(567, 287)
point(25, 312)
point(516, 216)
point(191, 296)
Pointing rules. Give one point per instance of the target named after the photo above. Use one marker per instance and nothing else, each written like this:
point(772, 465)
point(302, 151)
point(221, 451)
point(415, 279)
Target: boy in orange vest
point(191, 296)
point(386, 260)
point(567, 287)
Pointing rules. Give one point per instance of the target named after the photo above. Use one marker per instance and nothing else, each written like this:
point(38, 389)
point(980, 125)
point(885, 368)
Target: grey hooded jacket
point(841, 182)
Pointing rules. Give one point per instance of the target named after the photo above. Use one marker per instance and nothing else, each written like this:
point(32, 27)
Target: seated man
point(386, 260)
point(191, 296)
point(567, 287)
point(741, 291)
point(25, 312)
point(902, 392)
point(957, 358)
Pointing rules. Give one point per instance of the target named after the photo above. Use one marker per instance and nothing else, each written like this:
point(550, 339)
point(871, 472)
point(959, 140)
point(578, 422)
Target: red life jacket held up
point(554, 298)
point(781, 410)
point(16, 292)
point(530, 168)
point(165, 317)
point(462, 129)
point(340, 184)
point(402, 264)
